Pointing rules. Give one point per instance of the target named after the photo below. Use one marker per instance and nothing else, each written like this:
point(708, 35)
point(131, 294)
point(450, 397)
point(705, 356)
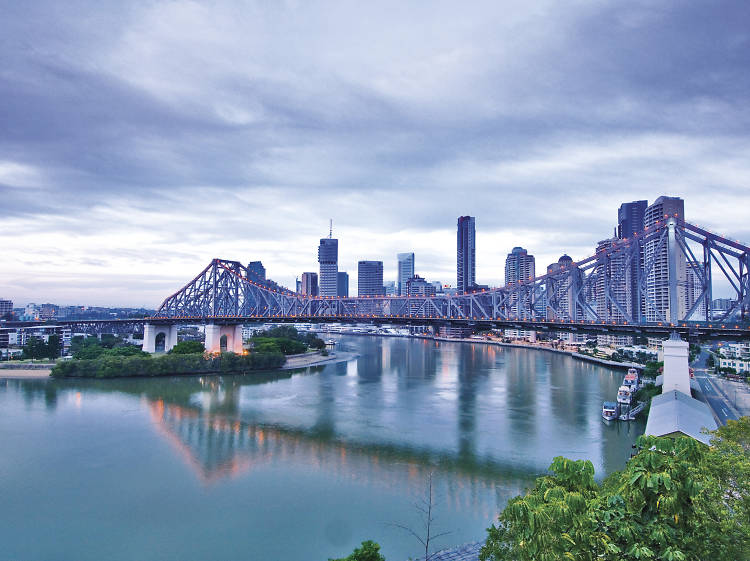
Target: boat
point(610, 410)
point(624, 395)
point(631, 380)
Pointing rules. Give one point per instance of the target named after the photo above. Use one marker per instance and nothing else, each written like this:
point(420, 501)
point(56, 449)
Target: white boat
point(624, 395)
point(610, 410)
point(631, 380)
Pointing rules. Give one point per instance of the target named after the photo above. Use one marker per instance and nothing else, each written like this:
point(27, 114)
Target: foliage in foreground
point(676, 500)
point(167, 365)
point(369, 551)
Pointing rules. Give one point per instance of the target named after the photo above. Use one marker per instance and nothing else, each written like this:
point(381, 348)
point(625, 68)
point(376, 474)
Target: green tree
point(676, 500)
point(54, 347)
point(368, 551)
point(34, 348)
point(187, 347)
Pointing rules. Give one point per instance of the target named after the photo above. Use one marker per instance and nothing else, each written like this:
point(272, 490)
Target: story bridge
point(636, 285)
point(658, 281)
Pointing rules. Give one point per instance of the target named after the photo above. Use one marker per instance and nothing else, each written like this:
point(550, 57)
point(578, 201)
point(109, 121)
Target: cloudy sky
point(140, 139)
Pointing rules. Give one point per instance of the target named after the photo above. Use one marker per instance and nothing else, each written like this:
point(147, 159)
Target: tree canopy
point(36, 348)
point(676, 500)
point(187, 348)
point(368, 551)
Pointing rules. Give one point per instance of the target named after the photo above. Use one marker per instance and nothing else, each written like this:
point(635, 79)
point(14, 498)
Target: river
point(295, 466)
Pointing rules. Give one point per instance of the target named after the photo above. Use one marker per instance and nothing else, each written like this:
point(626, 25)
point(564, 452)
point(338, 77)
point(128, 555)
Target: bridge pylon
point(159, 338)
point(231, 335)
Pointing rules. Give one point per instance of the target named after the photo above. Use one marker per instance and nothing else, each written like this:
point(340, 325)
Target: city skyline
point(127, 163)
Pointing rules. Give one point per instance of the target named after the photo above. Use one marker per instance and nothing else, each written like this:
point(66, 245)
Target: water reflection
point(485, 416)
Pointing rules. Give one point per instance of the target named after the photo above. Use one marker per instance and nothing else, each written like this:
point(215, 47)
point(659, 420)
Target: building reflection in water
point(402, 409)
point(215, 448)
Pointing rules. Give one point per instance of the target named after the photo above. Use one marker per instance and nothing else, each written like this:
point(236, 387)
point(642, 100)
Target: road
point(711, 393)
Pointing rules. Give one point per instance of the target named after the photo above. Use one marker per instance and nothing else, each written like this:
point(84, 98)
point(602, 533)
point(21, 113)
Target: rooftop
point(674, 412)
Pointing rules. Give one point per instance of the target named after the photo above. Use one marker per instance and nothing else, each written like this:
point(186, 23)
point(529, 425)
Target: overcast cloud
point(138, 140)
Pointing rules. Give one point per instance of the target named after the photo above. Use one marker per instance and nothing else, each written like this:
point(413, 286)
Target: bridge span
point(598, 294)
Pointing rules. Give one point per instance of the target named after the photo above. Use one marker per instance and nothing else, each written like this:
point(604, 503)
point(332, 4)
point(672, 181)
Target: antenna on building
point(330, 228)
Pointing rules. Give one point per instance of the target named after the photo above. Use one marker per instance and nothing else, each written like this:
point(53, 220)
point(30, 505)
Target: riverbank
point(579, 356)
point(25, 373)
point(316, 359)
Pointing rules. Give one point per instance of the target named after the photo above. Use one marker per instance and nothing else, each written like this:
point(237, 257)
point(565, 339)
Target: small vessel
point(624, 395)
point(610, 410)
point(631, 380)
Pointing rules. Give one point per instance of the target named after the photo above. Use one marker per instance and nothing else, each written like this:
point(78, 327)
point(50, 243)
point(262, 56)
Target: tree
point(53, 346)
point(187, 347)
point(425, 506)
point(677, 499)
point(369, 551)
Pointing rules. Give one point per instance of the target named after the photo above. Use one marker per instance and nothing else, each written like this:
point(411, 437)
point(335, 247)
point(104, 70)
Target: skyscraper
point(405, 271)
point(257, 268)
point(309, 284)
point(519, 267)
point(694, 291)
point(630, 221)
point(343, 284)
point(630, 218)
point(370, 278)
point(657, 305)
point(328, 257)
point(465, 254)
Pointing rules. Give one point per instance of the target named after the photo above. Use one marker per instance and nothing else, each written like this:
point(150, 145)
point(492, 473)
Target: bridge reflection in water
point(216, 447)
point(484, 419)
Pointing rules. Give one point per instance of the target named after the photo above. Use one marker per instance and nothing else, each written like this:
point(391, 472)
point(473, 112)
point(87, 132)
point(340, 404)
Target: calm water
point(297, 467)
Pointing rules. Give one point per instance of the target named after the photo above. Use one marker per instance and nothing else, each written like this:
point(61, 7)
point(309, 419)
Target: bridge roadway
point(733, 330)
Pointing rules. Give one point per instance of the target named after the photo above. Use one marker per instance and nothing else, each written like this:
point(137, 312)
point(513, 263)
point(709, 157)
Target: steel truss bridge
point(631, 299)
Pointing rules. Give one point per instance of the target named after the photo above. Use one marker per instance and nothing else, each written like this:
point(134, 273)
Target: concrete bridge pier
point(224, 338)
point(159, 338)
point(676, 368)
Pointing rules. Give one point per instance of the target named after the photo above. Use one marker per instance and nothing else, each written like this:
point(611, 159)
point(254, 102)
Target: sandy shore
point(42, 373)
point(316, 360)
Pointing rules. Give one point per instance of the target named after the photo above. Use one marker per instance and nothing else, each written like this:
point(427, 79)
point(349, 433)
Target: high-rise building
point(694, 274)
point(370, 278)
point(257, 268)
point(328, 257)
point(630, 221)
point(405, 271)
point(6, 307)
point(298, 285)
point(612, 284)
point(391, 288)
point(612, 291)
point(417, 286)
point(309, 284)
point(630, 218)
point(343, 284)
point(561, 292)
point(657, 303)
point(519, 266)
point(465, 254)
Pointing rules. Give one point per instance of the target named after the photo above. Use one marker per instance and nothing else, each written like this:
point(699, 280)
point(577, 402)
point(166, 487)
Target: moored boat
point(610, 410)
point(624, 395)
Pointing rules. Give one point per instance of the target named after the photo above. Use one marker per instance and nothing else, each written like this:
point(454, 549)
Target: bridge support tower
point(224, 338)
point(159, 338)
point(676, 369)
